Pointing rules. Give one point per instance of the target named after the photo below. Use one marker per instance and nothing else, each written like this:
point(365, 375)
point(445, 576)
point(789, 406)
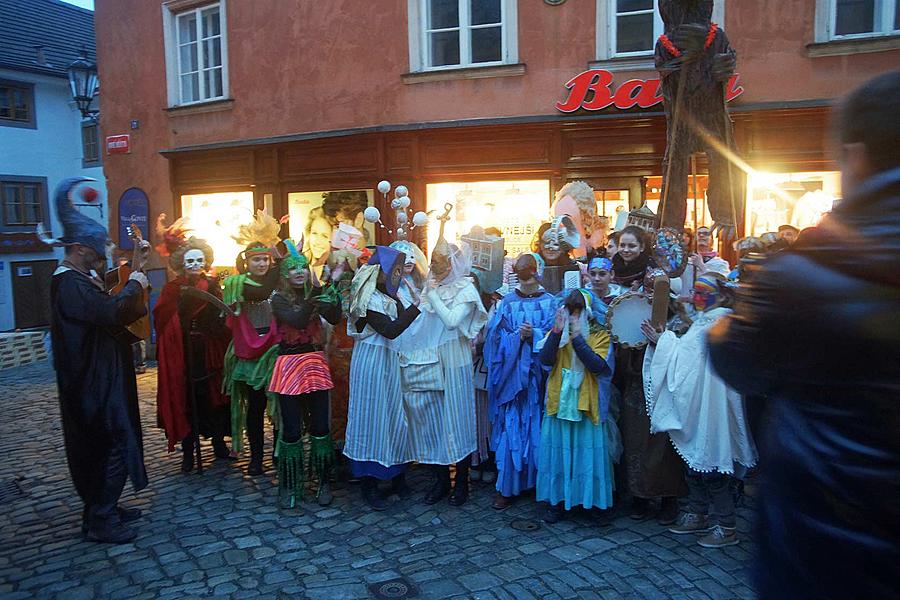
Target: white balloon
point(372, 214)
point(404, 202)
point(401, 191)
point(420, 219)
point(402, 218)
point(384, 186)
point(396, 203)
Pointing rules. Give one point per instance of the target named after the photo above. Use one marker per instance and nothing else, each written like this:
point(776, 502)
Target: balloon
point(420, 219)
point(371, 214)
point(384, 186)
point(401, 191)
point(89, 194)
point(396, 204)
point(404, 202)
point(402, 218)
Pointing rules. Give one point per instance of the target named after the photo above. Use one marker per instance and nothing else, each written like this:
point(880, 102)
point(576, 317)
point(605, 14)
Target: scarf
point(628, 273)
point(571, 390)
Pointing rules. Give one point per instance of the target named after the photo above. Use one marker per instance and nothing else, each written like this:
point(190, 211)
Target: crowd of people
point(523, 385)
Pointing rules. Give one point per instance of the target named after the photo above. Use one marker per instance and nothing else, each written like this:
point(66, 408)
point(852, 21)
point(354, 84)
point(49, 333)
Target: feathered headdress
point(294, 260)
point(171, 238)
point(262, 230)
point(77, 228)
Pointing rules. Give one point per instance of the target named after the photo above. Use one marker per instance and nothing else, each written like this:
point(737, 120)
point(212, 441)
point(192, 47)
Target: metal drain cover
point(10, 490)
point(525, 525)
point(395, 588)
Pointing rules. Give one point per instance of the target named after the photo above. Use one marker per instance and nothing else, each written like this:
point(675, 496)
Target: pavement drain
point(392, 589)
point(10, 490)
point(525, 525)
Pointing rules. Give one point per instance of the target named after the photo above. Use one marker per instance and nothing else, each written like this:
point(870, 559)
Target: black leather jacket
point(817, 330)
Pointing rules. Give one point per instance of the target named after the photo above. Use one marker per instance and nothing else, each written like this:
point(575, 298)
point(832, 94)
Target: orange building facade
point(232, 105)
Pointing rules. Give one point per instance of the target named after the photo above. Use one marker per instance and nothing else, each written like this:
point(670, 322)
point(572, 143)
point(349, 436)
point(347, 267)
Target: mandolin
point(117, 277)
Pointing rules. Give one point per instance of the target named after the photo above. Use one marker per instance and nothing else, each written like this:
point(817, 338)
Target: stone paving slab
point(221, 534)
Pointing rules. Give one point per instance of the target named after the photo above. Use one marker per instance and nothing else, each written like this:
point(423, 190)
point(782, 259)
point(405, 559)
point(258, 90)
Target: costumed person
point(600, 274)
point(254, 347)
point(652, 469)
point(575, 466)
point(173, 315)
point(302, 379)
point(704, 418)
point(377, 440)
point(415, 270)
point(516, 379)
point(94, 371)
point(576, 199)
point(556, 242)
point(437, 371)
point(483, 466)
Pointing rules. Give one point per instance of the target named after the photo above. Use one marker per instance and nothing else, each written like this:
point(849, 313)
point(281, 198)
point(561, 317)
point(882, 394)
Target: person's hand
point(650, 332)
point(562, 315)
point(698, 264)
point(140, 278)
point(574, 327)
point(141, 254)
point(636, 285)
point(526, 331)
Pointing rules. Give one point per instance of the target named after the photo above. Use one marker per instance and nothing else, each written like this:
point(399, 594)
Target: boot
point(321, 461)
point(275, 451)
point(220, 449)
point(187, 454)
point(372, 495)
point(441, 485)
point(399, 486)
point(290, 473)
point(461, 483)
point(110, 532)
point(256, 453)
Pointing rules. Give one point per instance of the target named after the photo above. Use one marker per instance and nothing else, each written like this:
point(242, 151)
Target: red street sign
point(118, 144)
point(635, 92)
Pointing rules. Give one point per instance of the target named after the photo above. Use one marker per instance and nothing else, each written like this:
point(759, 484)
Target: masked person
point(437, 372)
point(704, 418)
point(516, 379)
point(201, 357)
point(301, 378)
point(575, 466)
point(377, 440)
point(254, 348)
point(415, 271)
point(94, 372)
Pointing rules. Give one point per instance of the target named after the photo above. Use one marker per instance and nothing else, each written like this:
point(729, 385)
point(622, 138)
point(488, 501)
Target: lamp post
point(83, 81)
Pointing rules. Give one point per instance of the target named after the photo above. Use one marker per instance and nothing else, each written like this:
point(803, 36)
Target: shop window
point(861, 18)
point(447, 34)
point(215, 218)
point(90, 145)
point(697, 214)
point(17, 104)
point(24, 202)
point(316, 216)
point(517, 208)
point(196, 54)
point(627, 30)
point(798, 199)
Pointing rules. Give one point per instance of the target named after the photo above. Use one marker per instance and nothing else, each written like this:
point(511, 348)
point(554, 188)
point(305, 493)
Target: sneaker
point(690, 523)
point(719, 537)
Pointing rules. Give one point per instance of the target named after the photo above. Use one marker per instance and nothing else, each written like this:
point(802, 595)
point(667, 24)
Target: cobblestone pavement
point(222, 534)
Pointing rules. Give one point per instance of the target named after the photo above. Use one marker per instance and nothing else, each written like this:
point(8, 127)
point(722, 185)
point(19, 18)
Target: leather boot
point(187, 454)
point(256, 453)
point(441, 485)
point(220, 448)
point(461, 483)
point(399, 487)
point(372, 495)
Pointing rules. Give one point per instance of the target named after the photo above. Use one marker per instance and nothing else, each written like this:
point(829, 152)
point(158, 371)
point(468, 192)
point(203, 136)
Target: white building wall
point(52, 150)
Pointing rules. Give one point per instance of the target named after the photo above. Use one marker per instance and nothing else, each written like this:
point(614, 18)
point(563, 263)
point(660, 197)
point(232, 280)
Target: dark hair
point(575, 301)
point(869, 116)
point(639, 234)
point(614, 237)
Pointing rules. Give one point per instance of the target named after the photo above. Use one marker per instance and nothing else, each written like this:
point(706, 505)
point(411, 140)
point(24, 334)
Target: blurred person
point(788, 233)
point(829, 516)
point(612, 244)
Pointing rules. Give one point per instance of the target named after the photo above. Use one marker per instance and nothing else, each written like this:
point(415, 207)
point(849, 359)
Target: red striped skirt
point(297, 374)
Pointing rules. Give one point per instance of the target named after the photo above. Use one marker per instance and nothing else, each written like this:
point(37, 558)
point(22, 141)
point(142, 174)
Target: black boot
point(372, 495)
point(256, 453)
point(461, 483)
point(399, 487)
point(441, 485)
point(187, 454)
point(220, 449)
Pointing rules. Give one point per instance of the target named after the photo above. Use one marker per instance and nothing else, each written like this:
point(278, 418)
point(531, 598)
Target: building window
point(90, 144)
point(24, 202)
point(628, 29)
point(446, 34)
point(863, 18)
point(196, 54)
point(16, 104)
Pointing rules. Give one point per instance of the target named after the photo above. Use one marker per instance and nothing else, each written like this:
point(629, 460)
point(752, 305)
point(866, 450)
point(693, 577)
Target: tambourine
point(670, 251)
point(624, 318)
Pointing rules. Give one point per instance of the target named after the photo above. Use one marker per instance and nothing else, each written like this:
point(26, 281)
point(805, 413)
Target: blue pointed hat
point(77, 228)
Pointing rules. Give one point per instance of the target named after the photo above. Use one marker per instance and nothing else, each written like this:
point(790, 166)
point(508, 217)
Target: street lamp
point(83, 81)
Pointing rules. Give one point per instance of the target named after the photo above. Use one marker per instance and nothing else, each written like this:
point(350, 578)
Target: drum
point(624, 318)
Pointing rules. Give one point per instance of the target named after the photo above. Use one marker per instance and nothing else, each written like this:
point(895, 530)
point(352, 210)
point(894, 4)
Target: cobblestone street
point(222, 534)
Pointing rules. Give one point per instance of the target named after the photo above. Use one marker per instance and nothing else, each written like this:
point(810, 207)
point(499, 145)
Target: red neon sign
point(634, 92)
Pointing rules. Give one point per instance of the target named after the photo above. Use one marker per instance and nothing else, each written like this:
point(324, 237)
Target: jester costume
point(302, 379)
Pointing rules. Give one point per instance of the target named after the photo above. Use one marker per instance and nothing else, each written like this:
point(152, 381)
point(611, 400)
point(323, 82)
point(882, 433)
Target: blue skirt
point(368, 468)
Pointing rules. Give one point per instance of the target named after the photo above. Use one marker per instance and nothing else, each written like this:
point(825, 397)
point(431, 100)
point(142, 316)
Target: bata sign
point(635, 92)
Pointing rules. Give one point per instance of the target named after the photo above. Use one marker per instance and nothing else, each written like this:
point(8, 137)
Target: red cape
point(172, 403)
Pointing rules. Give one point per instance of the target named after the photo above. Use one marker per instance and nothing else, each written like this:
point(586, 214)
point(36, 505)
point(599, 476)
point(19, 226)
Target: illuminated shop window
point(798, 199)
point(697, 211)
point(215, 218)
point(315, 215)
point(517, 208)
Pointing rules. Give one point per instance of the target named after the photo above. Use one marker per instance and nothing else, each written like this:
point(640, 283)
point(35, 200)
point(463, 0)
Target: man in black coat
point(817, 330)
point(95, 374)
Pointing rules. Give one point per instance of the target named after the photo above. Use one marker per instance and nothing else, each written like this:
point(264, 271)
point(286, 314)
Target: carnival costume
point(516, 379)
point(254, 347)
point(302, 380)
point(377, 439)
point(173, 316)
point(95, 377)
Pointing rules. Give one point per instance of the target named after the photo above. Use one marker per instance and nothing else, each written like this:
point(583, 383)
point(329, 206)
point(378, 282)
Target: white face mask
point(194, 262)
